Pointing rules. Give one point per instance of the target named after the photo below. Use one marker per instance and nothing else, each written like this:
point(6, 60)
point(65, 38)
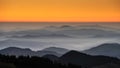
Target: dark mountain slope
point(25, 52)
point(85, 60)
point(108, 49)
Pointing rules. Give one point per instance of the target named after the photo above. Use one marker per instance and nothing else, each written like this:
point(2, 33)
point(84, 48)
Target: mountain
point(23, 43)
point(61, 27)
point(85, 60)
point(51, 57)
point(66, 31)
point(108, 49)
point(42, 53)
point(54, 35)
point(42, 33)
point(17, 51)
point(25, 52)
point(90, 32)
point(66, 27)
point(56, 49)
point(71, 57)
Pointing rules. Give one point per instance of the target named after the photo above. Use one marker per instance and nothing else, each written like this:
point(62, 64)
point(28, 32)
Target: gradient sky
point(60, 10)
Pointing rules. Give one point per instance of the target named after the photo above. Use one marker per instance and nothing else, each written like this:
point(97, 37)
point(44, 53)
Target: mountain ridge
point(25, 52)
point(107, 49)
point(85, 60)
point(56, 49)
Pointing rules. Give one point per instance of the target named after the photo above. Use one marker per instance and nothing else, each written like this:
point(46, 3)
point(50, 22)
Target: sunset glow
point(60, 10)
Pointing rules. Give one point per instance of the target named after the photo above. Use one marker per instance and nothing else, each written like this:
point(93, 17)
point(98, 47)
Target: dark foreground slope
point(31, 62)
point(71, 59)
point(85, 60)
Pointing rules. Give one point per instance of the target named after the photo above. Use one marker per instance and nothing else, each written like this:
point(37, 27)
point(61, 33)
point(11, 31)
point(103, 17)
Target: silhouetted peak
point(28, 49)
point(65, 26)
point(51, 48)
point(110, 44)
point(56, 49)
point(16, 48)
point(74, 54)
point(107, 49)
point(12, 48)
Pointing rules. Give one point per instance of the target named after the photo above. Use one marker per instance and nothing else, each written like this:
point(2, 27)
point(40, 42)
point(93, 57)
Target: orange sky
point(60, 10)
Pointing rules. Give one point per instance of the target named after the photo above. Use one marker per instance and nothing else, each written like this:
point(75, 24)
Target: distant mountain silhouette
point(56, 49)
point(37, 34)
point(108, 49)
point(71, 57)
point(66, 31)
point(85, 60)
point(65, 27)
point(42, 53)
point(90, 32)
point(23, 43)
point(42, 36)
point(17, 51)
point(25, 52)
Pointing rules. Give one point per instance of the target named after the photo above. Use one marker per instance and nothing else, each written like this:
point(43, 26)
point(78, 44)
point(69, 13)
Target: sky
point(59, 11)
